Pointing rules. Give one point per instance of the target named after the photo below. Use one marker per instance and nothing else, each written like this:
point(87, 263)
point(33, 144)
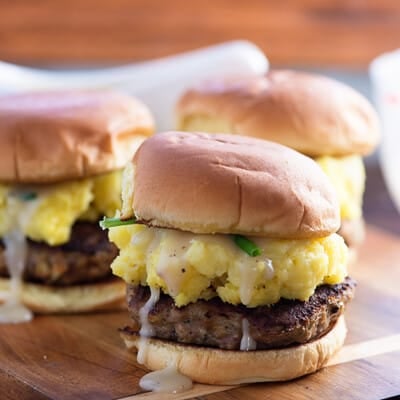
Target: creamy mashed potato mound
point(51, 214)
point(347, 174)
point(189, 267)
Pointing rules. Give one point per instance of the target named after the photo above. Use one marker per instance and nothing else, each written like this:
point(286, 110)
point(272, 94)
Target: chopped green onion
point(27, 196)
point(106, 223)
point(247, 245)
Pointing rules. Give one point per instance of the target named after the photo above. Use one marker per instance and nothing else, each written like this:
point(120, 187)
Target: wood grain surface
point(302, 32)
point(82, 356)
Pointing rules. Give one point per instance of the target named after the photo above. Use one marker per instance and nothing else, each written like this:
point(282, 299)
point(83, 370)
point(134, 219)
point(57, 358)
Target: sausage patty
point(214, 323)
point(85, 258)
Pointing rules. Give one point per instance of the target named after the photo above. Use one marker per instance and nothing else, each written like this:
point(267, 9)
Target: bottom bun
point(46, 299)
point(225, 367)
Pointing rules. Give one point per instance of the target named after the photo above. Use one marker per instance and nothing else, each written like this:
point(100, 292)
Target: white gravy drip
point(248, 276)
point(154, 238)
point(19, 214)
point(249, 270)
point(167, 380)
point(269, 269)
point(143, 237)
point(12, 311)
point(247, 343)
point(146, 330)
point(221, 239)
point(172, 258)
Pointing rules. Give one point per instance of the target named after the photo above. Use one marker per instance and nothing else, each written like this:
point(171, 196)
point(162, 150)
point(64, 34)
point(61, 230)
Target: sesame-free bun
point(55, 136)
point(226, 367)
point(313, 114)
point(222, 183)
point(47, 299)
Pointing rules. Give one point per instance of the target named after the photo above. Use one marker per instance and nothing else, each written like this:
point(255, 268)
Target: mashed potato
point(347, 174)
point(189, 267)
point(50, 215)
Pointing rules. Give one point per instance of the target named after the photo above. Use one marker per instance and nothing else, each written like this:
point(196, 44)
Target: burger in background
point(60, 172)
point(234, 271)
point(315, 115)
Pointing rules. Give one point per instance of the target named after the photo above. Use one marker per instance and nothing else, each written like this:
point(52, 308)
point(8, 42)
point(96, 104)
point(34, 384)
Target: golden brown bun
point(46, 299)
point(310, 113)
point(230, 184)
point(56, 136)
point(225, 367)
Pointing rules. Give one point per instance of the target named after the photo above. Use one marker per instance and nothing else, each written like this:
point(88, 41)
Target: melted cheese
point(189, 267)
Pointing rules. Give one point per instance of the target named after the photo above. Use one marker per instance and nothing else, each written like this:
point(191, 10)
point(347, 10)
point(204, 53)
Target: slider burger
point(314, 115)
point(60, 172)
point(234, 271)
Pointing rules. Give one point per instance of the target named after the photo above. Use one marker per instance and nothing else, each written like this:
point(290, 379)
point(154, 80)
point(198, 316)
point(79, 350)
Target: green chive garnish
point(28, 196)
point(247, 245)
point(106, 223)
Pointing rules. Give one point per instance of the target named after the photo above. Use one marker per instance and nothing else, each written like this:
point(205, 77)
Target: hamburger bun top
point(313, 114)
point(228, 184)
point(55, 136)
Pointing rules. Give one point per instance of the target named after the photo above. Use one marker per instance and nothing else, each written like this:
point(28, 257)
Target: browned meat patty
point(85, 258)
point(214, 323)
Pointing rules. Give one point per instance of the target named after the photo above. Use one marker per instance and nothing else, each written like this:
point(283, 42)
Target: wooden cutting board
point(82, 356)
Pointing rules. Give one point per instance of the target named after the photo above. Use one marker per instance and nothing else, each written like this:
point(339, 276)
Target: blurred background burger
point(60, 172)
point(315, 115)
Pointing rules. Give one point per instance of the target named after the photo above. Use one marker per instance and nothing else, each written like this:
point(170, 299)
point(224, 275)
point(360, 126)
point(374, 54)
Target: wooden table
point(82, 357)
point(291, 32)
